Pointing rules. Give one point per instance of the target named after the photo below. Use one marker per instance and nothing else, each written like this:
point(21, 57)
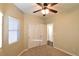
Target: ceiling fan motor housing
point(45, 4)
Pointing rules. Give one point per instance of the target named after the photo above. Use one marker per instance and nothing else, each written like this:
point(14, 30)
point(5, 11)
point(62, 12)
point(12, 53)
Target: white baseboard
point(22, 52)
point(65, 51)
point(54, 47)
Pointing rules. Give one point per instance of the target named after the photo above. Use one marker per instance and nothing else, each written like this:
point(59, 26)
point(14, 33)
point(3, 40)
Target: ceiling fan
point(45, 8)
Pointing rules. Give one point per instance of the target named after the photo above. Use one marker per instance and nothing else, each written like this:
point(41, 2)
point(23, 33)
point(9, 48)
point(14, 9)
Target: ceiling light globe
point(46, 11)
point(43, 12)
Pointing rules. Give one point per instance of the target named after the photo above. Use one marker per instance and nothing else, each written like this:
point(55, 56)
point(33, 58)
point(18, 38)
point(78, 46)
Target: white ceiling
point(28, 8)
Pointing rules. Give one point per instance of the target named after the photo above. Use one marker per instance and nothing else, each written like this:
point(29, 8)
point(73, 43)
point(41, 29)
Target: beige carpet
point(44, 51)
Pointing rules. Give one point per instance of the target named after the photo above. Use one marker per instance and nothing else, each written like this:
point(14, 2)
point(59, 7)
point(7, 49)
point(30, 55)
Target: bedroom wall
point(66, 28)
point(16, 48)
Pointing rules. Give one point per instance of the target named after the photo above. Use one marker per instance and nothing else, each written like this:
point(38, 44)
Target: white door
point(50, 32)
point(36, 33)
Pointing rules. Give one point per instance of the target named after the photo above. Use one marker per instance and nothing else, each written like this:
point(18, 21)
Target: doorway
point(50, 34)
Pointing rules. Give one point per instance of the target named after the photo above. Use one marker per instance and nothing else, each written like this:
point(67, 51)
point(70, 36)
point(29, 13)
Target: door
point(50, 34)
point(36, 33)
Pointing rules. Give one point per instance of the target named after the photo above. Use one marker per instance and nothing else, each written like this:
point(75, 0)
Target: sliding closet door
point(36, 34)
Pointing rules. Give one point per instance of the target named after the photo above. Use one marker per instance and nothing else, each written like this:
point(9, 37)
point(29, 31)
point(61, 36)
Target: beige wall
point(16, 48)
point(31, 19)
point(66, 28)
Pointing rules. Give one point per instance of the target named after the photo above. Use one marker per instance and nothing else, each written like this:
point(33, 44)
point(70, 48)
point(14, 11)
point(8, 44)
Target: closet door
point(36, 35)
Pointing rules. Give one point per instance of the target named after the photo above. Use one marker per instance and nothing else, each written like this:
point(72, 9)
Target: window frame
point(18, 31)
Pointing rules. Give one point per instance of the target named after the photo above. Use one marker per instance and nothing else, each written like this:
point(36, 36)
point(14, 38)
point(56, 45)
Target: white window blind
point(13, 30)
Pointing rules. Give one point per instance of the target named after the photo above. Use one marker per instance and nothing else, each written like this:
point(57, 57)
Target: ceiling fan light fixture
point(45, 11)
point(46, 8)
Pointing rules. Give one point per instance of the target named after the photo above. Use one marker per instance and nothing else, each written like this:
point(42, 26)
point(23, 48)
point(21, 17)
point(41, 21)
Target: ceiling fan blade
point(52, 10)
point(52, 4)
point(39, 4)
point(37, 11)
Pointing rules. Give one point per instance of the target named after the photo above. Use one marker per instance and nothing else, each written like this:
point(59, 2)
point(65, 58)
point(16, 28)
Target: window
point(1, 15)
point(13, 30)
